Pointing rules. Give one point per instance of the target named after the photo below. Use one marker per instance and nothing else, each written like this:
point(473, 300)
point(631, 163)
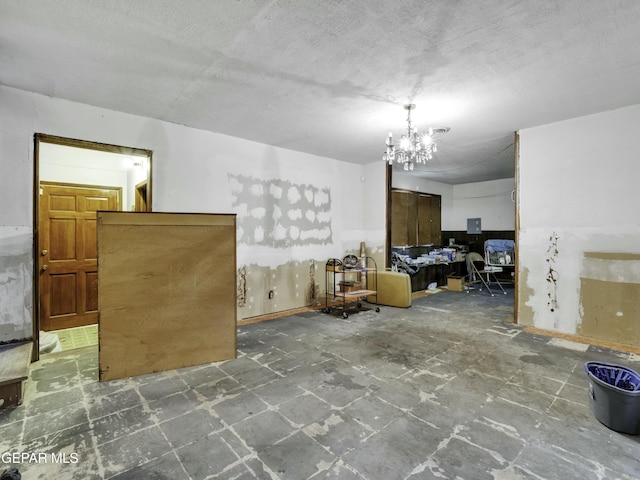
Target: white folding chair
point(481, 274)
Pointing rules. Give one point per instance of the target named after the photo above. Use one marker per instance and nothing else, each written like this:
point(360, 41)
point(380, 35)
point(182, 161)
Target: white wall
point(490, 201)
point(59, 163)
point(578, 193)
point(375, 210)
point(193, 171)
point(417, 184)
point(135, 175)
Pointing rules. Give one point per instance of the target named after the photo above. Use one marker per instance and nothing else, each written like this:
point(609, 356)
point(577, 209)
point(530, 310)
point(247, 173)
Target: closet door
point(415, 218)
point(429, 219)
point(436, 220)
point(404, 218)
point(424, 219)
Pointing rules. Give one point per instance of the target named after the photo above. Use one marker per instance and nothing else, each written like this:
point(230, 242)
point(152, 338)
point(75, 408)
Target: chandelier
point(414, 147)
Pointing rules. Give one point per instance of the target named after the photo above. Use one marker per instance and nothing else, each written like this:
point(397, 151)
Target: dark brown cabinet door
point(403, 208)
point(68, 255)
point(415, 218)
point(429, 220)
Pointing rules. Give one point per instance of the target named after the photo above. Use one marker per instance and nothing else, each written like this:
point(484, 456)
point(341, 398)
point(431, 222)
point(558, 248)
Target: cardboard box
point(347, 287)
point(455, 283)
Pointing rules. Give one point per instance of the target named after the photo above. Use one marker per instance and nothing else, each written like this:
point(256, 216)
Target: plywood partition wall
point(166, 291)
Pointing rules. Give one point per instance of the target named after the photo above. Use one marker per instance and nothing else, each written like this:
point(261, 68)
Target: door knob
point(44, 267)
point(44, 252)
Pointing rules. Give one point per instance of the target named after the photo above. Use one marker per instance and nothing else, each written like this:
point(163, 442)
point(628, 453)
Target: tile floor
point(78, 337)
point(443, 390)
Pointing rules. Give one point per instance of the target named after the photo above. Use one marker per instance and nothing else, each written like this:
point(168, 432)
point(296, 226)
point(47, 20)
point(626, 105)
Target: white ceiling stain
point(330, 78)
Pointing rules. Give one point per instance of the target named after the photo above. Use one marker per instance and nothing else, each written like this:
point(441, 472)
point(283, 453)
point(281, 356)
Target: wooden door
point(436, 220)
point(68, 253)
point(403, 218)
point(415, 218)
point(425, 222)
point(141, 197)
point(429, 220)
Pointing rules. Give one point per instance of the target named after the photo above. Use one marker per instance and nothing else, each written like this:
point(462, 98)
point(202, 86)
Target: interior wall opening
point(74, 179)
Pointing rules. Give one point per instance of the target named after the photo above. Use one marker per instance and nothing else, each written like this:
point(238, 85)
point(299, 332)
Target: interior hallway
point(444, 389)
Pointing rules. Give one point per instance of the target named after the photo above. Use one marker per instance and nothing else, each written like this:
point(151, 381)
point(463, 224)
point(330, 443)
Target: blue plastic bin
point(614, 392)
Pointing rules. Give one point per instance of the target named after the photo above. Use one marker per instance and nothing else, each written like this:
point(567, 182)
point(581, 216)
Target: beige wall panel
point(167, 291)
point(610, 311)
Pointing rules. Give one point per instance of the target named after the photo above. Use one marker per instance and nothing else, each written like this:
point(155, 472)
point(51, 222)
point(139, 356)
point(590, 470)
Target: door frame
point(69, 142)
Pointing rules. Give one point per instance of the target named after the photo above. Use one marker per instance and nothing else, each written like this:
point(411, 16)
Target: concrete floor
point(445, 389)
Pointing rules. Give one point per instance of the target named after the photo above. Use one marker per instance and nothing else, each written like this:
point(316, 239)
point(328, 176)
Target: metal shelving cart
point(347, 282)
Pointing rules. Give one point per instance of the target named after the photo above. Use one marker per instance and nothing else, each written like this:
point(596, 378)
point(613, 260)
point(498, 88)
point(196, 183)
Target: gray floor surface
point(444, 390)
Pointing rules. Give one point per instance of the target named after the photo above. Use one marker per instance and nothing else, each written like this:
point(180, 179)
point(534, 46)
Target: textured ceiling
point(330, 77)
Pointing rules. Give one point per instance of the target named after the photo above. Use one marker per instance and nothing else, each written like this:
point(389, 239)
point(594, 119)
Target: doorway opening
point(74, 179)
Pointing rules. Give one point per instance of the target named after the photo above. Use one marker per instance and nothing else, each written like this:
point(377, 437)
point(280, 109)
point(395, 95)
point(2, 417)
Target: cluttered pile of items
point(436, 256)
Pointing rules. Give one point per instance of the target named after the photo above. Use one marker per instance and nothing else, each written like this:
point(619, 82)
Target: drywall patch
point(525, 292)
point(16, 287)
point(609, 289)
point(280, 214)
point(241, 296)
point(552, 274)
point(612, 255)
point(602, 302)
point(611, 267)
point(292, 285)
point(313, 288)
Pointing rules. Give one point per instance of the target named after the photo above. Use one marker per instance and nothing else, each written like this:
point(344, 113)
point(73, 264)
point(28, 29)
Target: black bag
point(11, 474)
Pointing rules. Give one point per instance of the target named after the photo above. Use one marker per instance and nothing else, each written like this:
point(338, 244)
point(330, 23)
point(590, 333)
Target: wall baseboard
point(579, 339)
